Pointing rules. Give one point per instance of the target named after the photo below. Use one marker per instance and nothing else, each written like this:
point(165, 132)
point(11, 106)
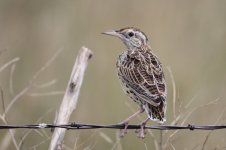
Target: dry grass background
point(188, 36)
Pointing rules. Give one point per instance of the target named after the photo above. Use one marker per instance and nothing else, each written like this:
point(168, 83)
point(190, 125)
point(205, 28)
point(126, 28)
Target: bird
point(142, 77)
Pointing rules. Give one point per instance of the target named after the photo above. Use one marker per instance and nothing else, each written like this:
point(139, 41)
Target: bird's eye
point(131, 34)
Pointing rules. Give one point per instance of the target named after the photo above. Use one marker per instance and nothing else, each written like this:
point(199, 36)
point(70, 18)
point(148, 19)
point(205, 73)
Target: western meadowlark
point(142, 76)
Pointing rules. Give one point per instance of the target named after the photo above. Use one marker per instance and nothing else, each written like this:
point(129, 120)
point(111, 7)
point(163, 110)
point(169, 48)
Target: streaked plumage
point(141, 73)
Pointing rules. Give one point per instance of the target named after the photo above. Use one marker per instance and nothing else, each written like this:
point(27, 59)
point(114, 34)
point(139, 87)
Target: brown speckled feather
point(143, 80)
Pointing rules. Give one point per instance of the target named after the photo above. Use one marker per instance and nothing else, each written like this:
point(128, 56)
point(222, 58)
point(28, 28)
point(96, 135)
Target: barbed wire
point(77, 126)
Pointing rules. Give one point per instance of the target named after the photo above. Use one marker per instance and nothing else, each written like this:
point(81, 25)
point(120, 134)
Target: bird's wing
point(144, 75)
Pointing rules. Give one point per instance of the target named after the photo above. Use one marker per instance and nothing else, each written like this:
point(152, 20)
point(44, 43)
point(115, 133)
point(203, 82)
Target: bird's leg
point(126, 121)
point(141, 132)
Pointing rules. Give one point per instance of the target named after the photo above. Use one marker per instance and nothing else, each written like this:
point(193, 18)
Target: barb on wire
point(77, 126)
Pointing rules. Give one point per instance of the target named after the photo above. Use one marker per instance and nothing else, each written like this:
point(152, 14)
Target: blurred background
point(189, 37)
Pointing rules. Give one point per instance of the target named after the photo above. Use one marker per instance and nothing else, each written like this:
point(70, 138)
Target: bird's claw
point(141, 132)
point(124, 131)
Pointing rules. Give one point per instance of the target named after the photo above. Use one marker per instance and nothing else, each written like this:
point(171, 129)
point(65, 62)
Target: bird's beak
point(112, 33)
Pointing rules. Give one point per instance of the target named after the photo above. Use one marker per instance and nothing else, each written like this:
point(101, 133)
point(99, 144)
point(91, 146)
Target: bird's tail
point(157, 113)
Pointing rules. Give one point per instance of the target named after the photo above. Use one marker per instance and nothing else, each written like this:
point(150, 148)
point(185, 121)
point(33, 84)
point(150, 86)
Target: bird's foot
point(141, 132)
point(126, 121)
point(123, 131)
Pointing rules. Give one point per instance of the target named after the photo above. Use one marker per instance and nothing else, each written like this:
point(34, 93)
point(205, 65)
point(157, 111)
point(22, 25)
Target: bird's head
point(131, 37)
